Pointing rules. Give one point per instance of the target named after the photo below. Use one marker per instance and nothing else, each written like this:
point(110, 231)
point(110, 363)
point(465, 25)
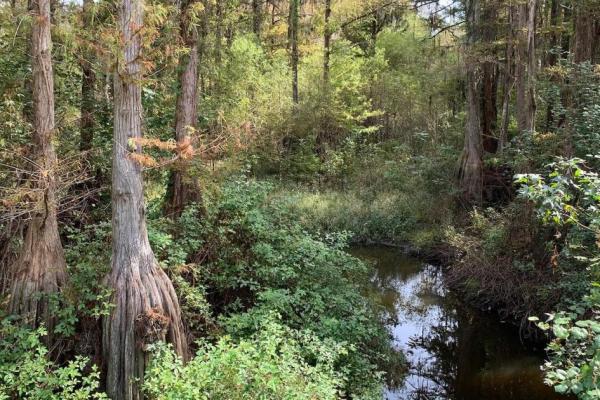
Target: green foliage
point(256, 259)
point(26, 373)
point(568, 198)
point(269, 365)
point(417, 85)
point(574, 364)
point(88, 262)
point(569, 195)
point(387, 195)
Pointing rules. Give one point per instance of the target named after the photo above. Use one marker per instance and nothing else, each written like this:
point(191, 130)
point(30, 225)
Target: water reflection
point(454, 352)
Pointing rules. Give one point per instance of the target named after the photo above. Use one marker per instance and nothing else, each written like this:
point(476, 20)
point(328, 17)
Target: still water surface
point(454, 352)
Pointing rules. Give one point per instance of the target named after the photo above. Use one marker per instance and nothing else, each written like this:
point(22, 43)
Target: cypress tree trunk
point(489, 88)
point(183, 188)
point(508, 84)
point(584, 33)
point(554, 39)
point(293, 44)
point(146, 308)
point(256, 17)
point(323, 131)
point(525, 65)
point(218, 31)
point(471, 169)
point(88, 82)
point(326, 43)
point(40, 269)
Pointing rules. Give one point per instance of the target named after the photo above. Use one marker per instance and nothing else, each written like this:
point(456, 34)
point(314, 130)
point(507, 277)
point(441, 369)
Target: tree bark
point(146, 308)
point(40, 269)
point(324, 128)
point(183, 187)
point(508, 84)
point(218, 31)
point(585, 34)
point(326, 43)
point(256, 17)
point(88, 82)
point(471, 170)
point(489, 97)
point(525, 65)
point(553, 50)
point(293, 44)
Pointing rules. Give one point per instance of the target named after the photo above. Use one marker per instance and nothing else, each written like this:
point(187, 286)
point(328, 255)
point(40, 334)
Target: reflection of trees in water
point(434, 372)
point(470, 356)
point(458, 353)
point(431, 353)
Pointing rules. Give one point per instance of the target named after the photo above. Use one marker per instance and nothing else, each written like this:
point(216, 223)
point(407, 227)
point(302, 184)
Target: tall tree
point(325, 118)
point(554, 22)
point(293, 20)
point(88, 82)
point(40, 268)
point(146, 308)
point(471, 170)
point(508, 81)
point(327, 43)
point(525, 68)
point(489, 98)
point(218, 31)
point(183, 188)
point(585, 25)
point(553, 51)
point(256, 17)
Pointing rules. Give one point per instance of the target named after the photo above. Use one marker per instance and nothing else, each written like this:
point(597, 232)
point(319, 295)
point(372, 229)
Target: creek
point(454, 352)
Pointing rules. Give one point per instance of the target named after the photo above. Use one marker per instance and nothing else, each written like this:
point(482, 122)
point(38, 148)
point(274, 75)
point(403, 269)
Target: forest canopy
point(182, 182)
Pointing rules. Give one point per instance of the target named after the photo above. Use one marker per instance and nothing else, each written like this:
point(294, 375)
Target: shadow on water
point(454, 352)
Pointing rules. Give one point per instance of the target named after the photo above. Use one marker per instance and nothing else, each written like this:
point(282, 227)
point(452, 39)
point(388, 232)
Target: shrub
point(255, 258)
point(26, 373)
point(567, 199)
point(269, 365)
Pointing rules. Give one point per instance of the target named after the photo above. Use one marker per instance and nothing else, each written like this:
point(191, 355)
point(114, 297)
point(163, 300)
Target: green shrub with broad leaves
point(568, 198)
point(252, 257)
point(27, 373)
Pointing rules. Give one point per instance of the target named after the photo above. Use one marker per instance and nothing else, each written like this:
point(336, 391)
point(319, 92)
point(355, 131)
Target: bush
point(254, 258)
point(567, 199)
point(270, 365)
point(26, 373)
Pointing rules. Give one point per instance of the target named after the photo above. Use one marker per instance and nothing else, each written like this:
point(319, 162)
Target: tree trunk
point(183, 187)
point(218, 31)
point(326, 43)
point(525, 65)
point(489, 97)
point(88, 82)
point(40, 269)
point(553, 50)
point(323, 131)
point(584, 33)
point(146, 308)
point(508, 84)
point(256, 17)
point(553, 53)
point(471, 169)
point(293, 44)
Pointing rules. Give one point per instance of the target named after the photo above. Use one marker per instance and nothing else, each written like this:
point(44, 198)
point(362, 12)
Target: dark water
point(454, 352)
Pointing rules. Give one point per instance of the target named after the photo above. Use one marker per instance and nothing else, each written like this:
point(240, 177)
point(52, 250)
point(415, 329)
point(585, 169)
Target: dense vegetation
point(181, 182)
